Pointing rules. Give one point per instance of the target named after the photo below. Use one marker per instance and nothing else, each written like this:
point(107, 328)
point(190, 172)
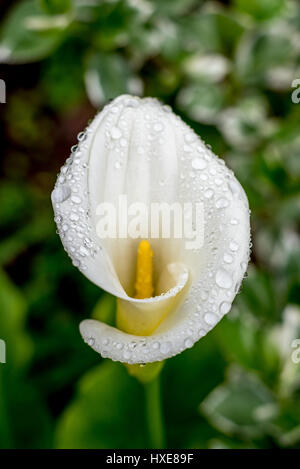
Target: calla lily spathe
point(140, 148)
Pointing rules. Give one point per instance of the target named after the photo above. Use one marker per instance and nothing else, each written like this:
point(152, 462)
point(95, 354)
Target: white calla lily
point(140, 148)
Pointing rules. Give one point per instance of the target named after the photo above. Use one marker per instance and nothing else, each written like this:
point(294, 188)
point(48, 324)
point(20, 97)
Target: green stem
point(154, 413)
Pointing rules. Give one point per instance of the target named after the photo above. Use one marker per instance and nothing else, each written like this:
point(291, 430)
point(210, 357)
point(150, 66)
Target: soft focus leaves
point(229, 69)
point(107, 76)
point(107, 412)
point(241, 406)
point(27, 36)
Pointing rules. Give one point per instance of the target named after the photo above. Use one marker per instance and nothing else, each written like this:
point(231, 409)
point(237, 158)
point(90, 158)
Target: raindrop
point(227, 258)
point(233, 246)
point(83, 251)
point(223, 279)
point(60, 194)
point(127, 355)
point(187, 148)
point(234, 221)
point(199, 163)
point(188, 343)
point(74, 217)
point(158, 127)
point(224, 307)
point(208, 193)
point(76, 199)
point(210, 319)
point(165, 347)
point(81, 136)
point(115, 133)
point(222, 203)
point(189, 137)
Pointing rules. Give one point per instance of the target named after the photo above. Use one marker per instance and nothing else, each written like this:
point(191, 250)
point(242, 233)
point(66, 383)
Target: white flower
point(140, 148)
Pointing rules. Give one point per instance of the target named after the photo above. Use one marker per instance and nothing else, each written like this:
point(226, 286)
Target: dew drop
point(208, 193)
point(233, 246)
point(199, 163)
point(60, 194)
point(224, 307)
point(76, 199)
point(188, 343)
point(158, 127)
point(126, 354)
point(83, 251)
point(222, 202)
point(115, 133)
point(223, 279)
point(81, 136)
point(187, 148)
point(227, 258)
point(165, 347)
point(210, 319)
point(74, 217)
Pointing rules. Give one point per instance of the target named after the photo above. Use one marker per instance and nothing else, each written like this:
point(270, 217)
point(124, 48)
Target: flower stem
point(154, 413)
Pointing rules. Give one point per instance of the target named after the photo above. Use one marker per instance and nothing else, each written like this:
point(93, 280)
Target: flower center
point(143, 284)
point(139, 317)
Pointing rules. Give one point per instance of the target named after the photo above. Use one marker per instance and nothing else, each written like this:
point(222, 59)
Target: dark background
point(227, 68)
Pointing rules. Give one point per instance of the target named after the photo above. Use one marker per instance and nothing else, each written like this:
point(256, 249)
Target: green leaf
point(107, 76)
point(24, 419)
point(202, 101)
point(12, 322)
point(259, 52)
point(55, 6)
point(105, 309)
point(261, 9)
point(243, 341)
point(241, 406)
point(188, 378)
point(26, 35)
point(107, 412)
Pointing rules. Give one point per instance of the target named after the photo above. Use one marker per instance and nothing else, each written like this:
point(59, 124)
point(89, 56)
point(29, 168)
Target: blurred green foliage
point(227, 68)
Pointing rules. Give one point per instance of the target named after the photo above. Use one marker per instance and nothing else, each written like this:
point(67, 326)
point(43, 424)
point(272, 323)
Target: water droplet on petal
point(115, 133)
point(222, 202)
point(127, 354)
point(165, 347)
point(60, 194)
point(227, 258)
point(158, 127)
point(74, 217)
point(224, 307)
point(199, 163)
point(208, 193)
point(188, 343)
point(76, 199)
point(210, 319)
point(83, 251)
point(233, 246)
point(223, 279)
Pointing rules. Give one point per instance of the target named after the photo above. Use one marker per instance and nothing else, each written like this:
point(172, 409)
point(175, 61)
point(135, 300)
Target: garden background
point(227, 68)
